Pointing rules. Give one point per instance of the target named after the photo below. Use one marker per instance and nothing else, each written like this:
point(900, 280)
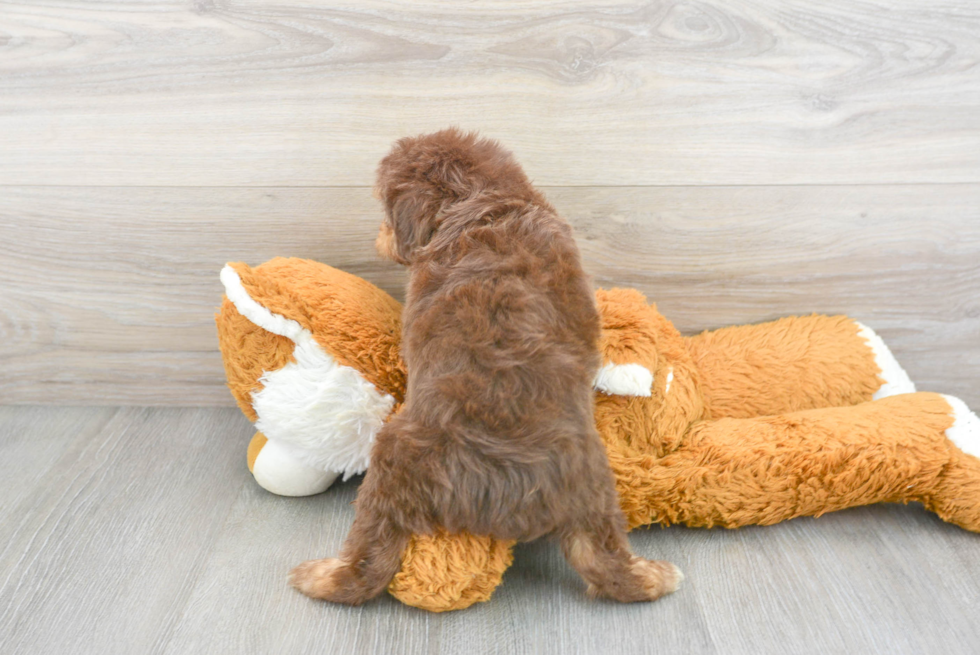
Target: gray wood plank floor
point(140, 531)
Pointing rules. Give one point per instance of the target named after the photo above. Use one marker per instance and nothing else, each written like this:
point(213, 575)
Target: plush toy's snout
point(278, 471)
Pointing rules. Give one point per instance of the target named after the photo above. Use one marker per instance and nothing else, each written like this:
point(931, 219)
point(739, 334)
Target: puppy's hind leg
point(599, 550)
point(368, 561)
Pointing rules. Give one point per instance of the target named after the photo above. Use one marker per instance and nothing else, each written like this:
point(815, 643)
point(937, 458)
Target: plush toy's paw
point(279, 471)
point(321, 578)
point(965, 431)
point(896, 380)
point(444, 572)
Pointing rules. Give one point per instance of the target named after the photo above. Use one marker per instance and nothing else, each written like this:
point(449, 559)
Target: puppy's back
point(504, 325)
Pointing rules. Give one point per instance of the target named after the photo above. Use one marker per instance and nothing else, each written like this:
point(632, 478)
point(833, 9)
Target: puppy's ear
point(413, 219)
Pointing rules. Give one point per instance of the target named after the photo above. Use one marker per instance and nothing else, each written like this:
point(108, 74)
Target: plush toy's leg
point(443, 572)
point(794, 364)
point(369, 559)
point(279, 471)
point(956, 497)
point(734, 472)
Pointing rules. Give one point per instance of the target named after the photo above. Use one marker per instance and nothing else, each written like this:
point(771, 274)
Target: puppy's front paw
point(321, 578)
point(656, 578)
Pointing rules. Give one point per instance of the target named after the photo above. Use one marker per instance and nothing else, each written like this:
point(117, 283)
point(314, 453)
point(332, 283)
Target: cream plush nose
point(279, 471)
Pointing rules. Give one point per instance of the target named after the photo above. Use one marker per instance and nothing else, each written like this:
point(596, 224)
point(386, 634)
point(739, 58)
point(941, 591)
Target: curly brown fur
point(500, 338)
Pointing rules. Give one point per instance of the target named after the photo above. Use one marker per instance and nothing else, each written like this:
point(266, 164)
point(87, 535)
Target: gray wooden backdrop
point(735, 161)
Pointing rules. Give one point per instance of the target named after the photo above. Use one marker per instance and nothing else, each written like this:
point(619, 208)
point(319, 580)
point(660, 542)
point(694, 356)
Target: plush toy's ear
point(648, 375)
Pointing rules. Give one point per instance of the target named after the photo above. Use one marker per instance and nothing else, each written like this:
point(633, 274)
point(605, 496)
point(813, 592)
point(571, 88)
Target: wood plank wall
point(735, 161)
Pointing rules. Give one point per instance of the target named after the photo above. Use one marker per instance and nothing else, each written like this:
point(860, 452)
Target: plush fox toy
point(743, 425)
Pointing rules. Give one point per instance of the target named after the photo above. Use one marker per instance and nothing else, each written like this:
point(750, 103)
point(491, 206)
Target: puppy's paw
point(321, 578)
point(655, 578)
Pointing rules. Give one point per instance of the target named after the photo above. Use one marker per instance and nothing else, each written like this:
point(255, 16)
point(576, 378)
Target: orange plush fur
point(744, 425)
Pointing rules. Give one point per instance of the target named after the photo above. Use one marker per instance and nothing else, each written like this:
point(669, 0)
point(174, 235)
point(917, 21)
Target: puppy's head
point(422, 176)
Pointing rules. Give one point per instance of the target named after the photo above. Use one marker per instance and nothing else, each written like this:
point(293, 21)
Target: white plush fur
point(322, 413)
point(896, 379)
point(965, 432)
point(255, 312)
point(624, 380)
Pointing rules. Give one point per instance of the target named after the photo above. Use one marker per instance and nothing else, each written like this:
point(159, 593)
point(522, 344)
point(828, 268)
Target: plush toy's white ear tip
point(279, 472)
point(253, 311)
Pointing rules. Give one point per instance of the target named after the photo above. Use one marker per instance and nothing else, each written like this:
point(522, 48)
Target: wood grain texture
point(100, 557)
point(33, 441)
point(107, 295)
point(147, 535)
point(286, 93)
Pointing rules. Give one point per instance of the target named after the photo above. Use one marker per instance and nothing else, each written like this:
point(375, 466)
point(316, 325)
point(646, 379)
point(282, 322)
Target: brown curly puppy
point(500, 339)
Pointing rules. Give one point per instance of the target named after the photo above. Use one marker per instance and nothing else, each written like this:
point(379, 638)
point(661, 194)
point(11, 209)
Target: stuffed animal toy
point(744, 425)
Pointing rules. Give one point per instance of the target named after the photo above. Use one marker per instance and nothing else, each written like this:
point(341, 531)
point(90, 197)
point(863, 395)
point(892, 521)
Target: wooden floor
point(735, 161)
point(141, 531)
